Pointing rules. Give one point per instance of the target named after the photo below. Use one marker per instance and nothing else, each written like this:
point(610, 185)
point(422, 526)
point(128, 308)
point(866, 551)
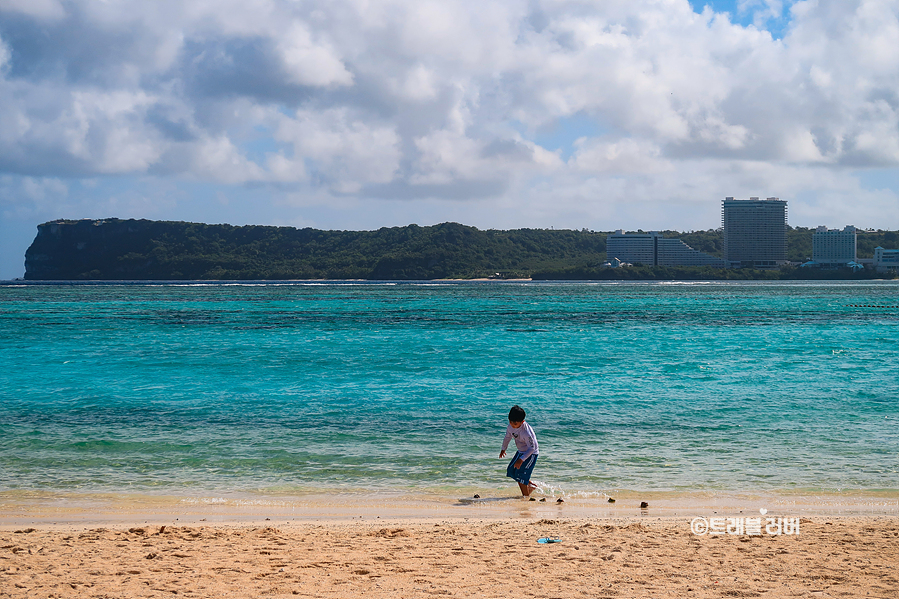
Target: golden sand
point(597, 557)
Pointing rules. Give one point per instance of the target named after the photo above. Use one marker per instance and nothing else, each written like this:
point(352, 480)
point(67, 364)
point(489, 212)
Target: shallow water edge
point(44, 508)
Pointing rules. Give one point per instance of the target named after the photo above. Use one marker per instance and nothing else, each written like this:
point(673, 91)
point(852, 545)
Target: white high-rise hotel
point(833, 246)
point(755, 232)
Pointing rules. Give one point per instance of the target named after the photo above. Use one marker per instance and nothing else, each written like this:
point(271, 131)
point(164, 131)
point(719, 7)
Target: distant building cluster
point(837, 248)
point(755, 236)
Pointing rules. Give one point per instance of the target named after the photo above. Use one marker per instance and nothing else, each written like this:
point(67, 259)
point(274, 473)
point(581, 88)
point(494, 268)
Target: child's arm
point(506, 440)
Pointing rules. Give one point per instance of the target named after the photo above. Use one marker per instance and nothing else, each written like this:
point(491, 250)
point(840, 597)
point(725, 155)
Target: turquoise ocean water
point(300, 388)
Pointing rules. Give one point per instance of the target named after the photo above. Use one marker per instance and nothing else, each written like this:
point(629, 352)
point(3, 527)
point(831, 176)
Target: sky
point(361, 114)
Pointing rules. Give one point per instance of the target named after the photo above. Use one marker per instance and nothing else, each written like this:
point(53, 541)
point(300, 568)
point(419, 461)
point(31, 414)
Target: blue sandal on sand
point(549, 540)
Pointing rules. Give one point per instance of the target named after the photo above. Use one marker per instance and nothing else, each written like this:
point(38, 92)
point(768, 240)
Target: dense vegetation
point(116, 249)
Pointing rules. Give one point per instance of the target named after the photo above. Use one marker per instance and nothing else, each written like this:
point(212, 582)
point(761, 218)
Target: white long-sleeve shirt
point(525, 440)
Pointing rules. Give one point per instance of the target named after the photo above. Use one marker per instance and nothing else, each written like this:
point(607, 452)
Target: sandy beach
point(426, 557)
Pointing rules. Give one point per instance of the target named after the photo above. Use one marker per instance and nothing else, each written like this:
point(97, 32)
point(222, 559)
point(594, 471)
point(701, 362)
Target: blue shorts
point(521, 475)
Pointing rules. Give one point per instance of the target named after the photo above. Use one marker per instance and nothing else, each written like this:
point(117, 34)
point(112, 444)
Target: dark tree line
point(145, 250)
point(116, 249)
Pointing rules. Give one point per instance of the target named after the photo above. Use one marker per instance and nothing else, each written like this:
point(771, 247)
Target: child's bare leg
point(527, 489)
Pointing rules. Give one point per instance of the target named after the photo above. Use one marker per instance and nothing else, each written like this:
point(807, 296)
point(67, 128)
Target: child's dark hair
point(516, 414)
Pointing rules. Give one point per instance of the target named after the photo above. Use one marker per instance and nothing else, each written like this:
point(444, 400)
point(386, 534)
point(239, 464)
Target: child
point(522, 464)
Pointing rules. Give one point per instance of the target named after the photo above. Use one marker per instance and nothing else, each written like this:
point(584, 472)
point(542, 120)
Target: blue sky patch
point(562, 134)
point(776, 26)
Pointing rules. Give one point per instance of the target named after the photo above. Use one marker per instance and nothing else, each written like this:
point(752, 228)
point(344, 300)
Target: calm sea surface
point(194, 390)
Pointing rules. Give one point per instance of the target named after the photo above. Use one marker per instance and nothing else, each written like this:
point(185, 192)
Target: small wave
point(205, 500)
point(691, 283)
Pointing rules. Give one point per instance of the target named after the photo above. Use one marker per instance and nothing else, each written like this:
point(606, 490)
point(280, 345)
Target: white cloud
point(620, 157)
point(310, 63)
point(33, 189)
point(434, 100)
point(344, 150)
point(27, 197)
point(880, 144)
point(417, 84)
point(5, 56)
point(41, 9)
point(217, 158)
point(107, 129)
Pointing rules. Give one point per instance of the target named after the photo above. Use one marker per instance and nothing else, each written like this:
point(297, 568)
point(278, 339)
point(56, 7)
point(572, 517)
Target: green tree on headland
point(116, 249)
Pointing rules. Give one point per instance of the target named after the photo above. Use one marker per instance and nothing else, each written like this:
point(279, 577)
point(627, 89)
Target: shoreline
point(49, 509)
point(252, 282)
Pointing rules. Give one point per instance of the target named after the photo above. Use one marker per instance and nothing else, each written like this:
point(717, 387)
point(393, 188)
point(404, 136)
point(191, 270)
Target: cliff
point(114, 249)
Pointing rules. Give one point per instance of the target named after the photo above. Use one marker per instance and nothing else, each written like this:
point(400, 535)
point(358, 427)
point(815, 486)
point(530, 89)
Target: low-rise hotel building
point(885, 260)
point(651, 249)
